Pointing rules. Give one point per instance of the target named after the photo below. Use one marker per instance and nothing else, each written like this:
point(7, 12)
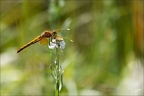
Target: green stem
point(57, 88)
point(57, 57)
point(58, 76)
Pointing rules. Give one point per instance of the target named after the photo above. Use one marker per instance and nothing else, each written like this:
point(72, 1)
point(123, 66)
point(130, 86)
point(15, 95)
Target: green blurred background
point(106, 57)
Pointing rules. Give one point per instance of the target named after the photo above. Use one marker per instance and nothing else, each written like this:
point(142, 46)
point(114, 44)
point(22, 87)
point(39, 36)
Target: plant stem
point(57, 88)
point(58, 74)
point(57, 57)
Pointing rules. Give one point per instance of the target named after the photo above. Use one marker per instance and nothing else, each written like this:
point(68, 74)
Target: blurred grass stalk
point(57, 72)
point(58, 76)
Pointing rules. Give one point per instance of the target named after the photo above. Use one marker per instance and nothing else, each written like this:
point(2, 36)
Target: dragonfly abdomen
point(38, 38)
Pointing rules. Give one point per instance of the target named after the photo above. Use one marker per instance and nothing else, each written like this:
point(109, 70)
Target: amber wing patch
point(43, 41)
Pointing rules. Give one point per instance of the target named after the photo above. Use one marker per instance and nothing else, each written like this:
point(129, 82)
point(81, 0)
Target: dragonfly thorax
point(46, 34)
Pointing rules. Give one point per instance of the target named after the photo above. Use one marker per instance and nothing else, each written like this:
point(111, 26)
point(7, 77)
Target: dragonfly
point(43, 38)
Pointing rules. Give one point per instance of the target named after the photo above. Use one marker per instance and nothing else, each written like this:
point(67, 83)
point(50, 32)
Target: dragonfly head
point(54, 34)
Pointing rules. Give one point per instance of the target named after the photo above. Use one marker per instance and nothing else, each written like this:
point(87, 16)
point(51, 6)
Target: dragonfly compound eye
point(54, 32)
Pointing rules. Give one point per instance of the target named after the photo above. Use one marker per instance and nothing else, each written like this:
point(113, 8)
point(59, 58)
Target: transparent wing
point(58, 30)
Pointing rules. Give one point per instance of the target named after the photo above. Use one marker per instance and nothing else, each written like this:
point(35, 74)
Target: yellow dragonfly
point(52, 34)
